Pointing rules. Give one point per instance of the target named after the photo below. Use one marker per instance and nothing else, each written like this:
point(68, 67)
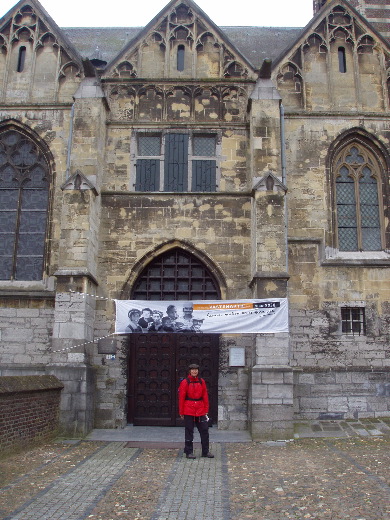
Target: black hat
point(194, 365)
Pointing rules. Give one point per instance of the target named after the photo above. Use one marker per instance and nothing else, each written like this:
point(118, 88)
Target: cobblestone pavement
point(329, 477)
point(343, 428)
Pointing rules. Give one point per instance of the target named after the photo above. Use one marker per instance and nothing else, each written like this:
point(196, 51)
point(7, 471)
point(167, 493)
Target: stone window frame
point(355, 173)
point(43, 282)
point(162, 133)
point(365, 141)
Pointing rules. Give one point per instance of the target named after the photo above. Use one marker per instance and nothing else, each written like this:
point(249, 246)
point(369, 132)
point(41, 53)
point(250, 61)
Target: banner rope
point(94, 340)
point(92, 295)
point(85, 343)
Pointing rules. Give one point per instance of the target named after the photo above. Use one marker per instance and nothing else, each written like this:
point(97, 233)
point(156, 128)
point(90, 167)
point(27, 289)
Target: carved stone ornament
point(269, 182)
point(79, 182)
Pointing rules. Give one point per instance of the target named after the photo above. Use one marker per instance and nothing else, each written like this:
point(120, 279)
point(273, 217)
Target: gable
point(37, 62)
point(338, 62)
point(180, 42)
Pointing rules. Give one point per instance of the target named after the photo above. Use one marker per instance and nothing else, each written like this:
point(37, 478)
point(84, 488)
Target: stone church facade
point(187, 161)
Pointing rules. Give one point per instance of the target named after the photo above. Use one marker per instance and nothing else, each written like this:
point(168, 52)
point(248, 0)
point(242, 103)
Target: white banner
point(223, 316)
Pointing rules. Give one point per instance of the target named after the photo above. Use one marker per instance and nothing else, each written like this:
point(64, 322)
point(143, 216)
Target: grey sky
point(120, 13)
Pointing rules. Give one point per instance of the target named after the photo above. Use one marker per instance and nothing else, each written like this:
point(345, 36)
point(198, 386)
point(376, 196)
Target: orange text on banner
point(221, 306)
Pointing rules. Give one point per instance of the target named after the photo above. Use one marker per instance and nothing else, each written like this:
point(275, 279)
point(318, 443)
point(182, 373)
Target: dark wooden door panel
point(201, 349)
point(157, 364)
point(153, 378)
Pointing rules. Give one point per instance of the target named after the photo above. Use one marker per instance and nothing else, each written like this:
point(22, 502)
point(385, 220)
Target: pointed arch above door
point(174, 272)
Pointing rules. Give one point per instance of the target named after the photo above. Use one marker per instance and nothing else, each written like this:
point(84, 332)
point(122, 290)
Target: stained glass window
point(357, 200)
point(24, 195)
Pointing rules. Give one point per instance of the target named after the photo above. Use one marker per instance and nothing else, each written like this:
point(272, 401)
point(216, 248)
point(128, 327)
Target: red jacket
point(196, 390)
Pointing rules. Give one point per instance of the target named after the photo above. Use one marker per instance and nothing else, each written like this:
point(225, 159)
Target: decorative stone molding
point(79, 182)
point(268, 182)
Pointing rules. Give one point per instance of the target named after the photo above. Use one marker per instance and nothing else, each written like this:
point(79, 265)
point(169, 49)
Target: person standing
point(193, 408)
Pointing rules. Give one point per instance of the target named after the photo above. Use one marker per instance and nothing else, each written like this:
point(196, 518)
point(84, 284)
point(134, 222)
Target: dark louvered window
point(148, 175)
point(24, 196)
point(176, 162)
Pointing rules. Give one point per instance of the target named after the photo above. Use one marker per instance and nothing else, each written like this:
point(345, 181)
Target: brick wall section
point(376, 12)
point(29, 411)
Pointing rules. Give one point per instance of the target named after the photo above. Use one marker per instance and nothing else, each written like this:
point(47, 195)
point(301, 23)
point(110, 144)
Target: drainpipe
point(70, 141)
point(284, 180)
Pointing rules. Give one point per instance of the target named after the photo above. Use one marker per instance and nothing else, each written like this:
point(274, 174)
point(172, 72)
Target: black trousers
point(203, 428)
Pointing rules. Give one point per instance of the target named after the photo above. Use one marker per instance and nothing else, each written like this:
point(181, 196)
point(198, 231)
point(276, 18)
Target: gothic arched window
point(358, 199)
point(24, 197)
point(176, 275)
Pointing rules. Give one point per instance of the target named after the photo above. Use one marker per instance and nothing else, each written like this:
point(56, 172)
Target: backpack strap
point(200, 380)
point(189, 381)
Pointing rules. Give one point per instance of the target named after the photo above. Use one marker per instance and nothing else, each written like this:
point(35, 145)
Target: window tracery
point(338, 30)
point(27, 29)
point(317, 41)
point(126, 69)
point(357, 185)
point(24, 200)
point(206, 38)
point(365, 45)
point(69, 69)
point(169, 102)
point(186, 34)
point(47, 39)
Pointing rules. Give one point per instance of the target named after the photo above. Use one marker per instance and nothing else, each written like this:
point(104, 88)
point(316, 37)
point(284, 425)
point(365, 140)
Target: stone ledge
point(344, 369)
point(27, 384)
point(355, 262)
point(75, 272)
point(27, 295)
point(272, 368)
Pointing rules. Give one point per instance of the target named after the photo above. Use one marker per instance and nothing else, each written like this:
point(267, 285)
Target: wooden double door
point(157, 363)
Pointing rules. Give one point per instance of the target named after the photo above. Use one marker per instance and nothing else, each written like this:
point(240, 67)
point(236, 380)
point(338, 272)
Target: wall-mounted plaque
point(237, 357)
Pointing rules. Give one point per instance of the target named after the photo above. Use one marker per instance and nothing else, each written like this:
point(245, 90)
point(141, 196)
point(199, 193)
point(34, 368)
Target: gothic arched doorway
point(158, 361)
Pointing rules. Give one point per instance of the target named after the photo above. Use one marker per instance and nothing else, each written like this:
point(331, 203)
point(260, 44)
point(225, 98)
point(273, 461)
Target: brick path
point(323, 478)
point(196, 489)
point(73, 495)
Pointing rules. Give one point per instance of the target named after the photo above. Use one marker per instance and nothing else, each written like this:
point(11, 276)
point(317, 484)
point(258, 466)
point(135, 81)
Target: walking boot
point(190, 456)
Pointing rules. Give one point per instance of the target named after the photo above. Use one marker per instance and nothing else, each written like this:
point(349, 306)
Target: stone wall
point(136, 225)
point(342, 393)
point(317, 341)
point(233, 384)
point(26, 325)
